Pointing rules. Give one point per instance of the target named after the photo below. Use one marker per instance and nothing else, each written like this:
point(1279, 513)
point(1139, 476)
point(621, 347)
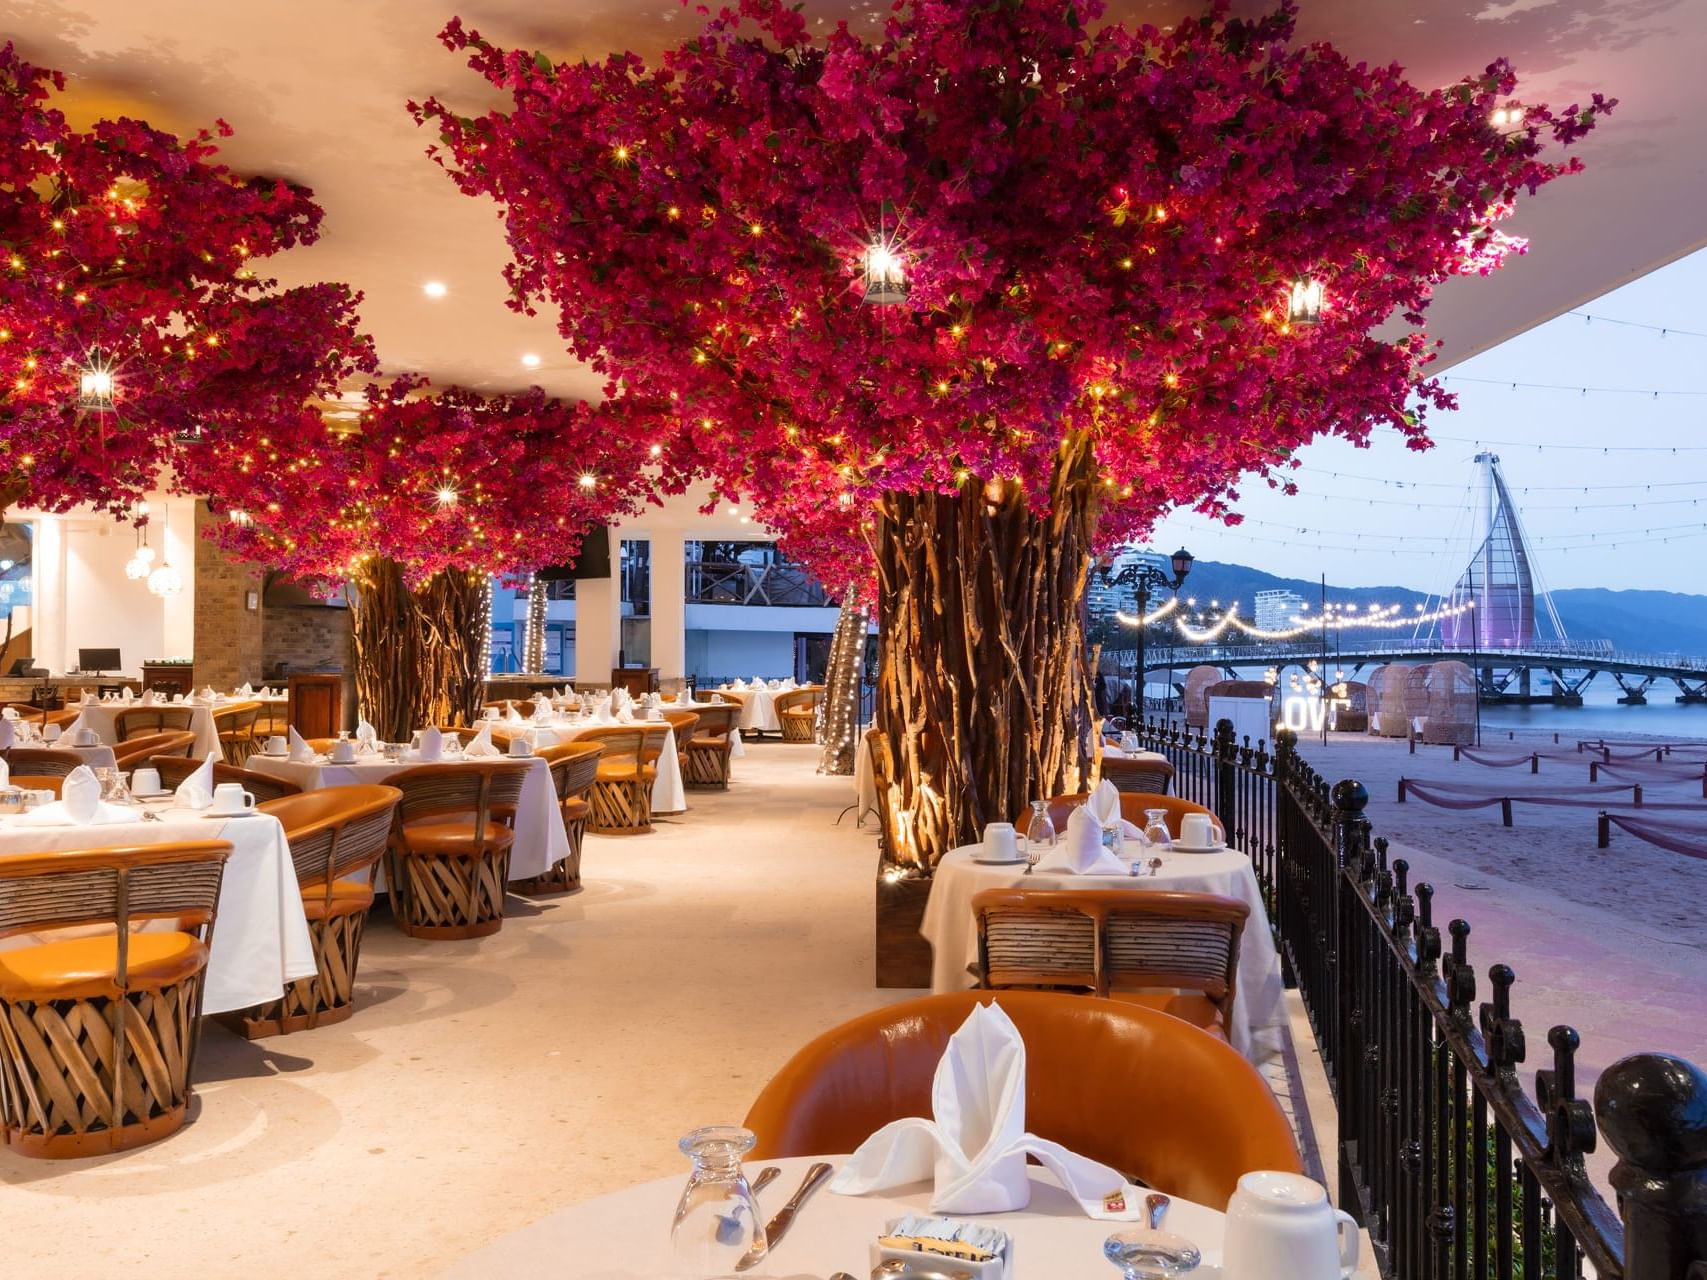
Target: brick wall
point(307, 637)
point(228, 645)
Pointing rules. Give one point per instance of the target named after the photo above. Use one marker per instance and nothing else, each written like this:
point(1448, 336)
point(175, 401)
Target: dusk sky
point(1587, 462)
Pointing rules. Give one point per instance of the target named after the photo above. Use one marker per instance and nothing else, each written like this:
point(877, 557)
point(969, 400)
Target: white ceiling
point(316, 91)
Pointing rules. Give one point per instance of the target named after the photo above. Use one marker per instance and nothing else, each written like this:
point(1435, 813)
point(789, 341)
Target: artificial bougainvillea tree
point(1088, 235)
point(134, 320)
point(416, 500)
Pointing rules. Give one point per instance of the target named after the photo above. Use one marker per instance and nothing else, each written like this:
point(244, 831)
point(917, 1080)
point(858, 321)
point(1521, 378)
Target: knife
point(779, 1225)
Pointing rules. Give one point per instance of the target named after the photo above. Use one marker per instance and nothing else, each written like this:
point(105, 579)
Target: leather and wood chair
point(54, 782)
point(235, 725)
point(273, 718)
point(707, 755)
point(621, 795)
point(138, 722)
point(1170, 951)
point(797, 712)
point(263, 786)
point(137, 751)
point(1140, 776)
point(449, 858)
point(43, 762)
point(101, 1032)
point(1132, 807)
point(574, 768)
point(337, 836)
point(29, 711)
point(1166, 1104)
point(686, 724)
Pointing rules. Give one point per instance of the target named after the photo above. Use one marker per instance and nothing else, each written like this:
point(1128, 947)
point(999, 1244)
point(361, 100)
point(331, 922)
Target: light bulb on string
point(1304, 304)
point(885, 275)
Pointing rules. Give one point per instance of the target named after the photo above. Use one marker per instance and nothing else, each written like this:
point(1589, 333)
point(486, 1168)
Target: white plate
point(1217, 847)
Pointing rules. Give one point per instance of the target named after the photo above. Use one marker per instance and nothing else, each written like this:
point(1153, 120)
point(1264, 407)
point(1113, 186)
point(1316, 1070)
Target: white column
point(47, 568)
point(669, 605)
point(598, 614)
point(178, 621)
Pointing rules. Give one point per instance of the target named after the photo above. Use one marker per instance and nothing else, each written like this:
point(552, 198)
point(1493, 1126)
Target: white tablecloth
point(668, 793)
point(100, 717)
point(758, 709)
point(1259, 1015)
point(540, 838)
point(97, 757)
point(260, 937)
point(626, 1235)
point(865, 786)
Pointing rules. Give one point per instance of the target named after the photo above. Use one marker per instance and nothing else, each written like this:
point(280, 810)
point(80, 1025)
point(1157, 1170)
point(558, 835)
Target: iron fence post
point(1226, 756)
point(1351, 839)
point(1652, 1107)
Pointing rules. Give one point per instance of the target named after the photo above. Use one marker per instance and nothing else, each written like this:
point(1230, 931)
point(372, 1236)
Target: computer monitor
point(95, 661)
point(22, 667)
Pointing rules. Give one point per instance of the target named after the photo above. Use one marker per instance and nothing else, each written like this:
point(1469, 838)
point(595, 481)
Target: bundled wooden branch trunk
point(418, 652)
point(983, 687)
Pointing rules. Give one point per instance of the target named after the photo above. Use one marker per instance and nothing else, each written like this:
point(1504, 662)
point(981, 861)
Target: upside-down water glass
point(717, 1222)
point(1156, 833)
point(1142, 1254)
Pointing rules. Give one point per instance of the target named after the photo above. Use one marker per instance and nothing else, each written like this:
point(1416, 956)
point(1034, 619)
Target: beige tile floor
point(483, 1084)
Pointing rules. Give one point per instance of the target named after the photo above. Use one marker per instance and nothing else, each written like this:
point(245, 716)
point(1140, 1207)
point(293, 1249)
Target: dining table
point(541, 840)
point(669, 795)
point(625, 1235)
point(102, 718)
point(1258, 1026)
point(758, 708)
point(261, 941)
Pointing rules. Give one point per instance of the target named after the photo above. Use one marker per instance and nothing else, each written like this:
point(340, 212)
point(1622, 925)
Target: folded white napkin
point(541, 707)
point(87, 700)
point(125, 695)
point(300, 751)
point(512, 716)
point(79, 805)
point(977, 1145)
point(432, 746)
point(70, 732)
point(5, 772)
point(625, 716)
point(8, 735)
point(1112, 752)
point(543, 737)
point(208, 695)
point(1080, 851)
point(149, 697)
point(739, 684)
point(603, 716)
point(1104, 802)
point(480, 745)
point(196, 791)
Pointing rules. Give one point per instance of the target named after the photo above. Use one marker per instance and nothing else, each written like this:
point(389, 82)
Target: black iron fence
point(777, 584)
point(1454, 1169)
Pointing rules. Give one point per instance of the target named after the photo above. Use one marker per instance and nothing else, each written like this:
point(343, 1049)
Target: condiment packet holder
point(946, 1245)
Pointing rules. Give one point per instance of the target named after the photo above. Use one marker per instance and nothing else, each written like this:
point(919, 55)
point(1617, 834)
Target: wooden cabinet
point(637, 680)
point(169, 677)
point(317, 704)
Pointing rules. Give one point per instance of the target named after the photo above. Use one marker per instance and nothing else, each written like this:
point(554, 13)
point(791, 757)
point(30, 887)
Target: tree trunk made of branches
point(983, 690)
point(418, 651)
point(840, 718)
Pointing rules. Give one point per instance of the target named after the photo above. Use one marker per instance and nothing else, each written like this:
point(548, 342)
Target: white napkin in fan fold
point(300, 751)
point(79, 805)
point(8, 734)
point(1080, 850)
point(88, 699)
point(70, 732)
point(5, 769)
point(367, 737)
point(480, 746)
point(976, 1147)
point(511, 715)
point(1104, 802)
point(432, 747)
point(246, 691)
point(196, 791)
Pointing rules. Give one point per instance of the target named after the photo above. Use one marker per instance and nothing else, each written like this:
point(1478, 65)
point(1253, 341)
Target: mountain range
point(1640, 621)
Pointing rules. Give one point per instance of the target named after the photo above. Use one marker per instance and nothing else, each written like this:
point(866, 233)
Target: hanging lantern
point(136, 568)
point(1305, 304)
point(239, 517)
point(165, 581)
point(885, 276)
point(95, 384)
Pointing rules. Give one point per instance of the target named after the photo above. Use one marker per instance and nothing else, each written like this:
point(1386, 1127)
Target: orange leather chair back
point(1146, 1093)
point(1132, 808)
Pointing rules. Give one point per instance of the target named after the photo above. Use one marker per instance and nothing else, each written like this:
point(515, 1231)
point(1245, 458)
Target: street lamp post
point(1144, 577)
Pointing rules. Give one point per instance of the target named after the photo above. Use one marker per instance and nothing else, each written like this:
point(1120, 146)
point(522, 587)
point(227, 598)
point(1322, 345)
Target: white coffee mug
point(520, 747)
point(490, 713)
point(229, 797)
point(1196, 830)
point(51, 733)
point(277, 745)
point(343, 751)
point(145, 781)
point(1280, 1226)
point(85, 737)
point(1000, 841)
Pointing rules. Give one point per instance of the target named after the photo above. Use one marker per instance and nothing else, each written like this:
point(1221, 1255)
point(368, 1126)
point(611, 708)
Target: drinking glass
point(1142, 1254)
point(717, 1223)
point(1039, 832)
point(1156, 829)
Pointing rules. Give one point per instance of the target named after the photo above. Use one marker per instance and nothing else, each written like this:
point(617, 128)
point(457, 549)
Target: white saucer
point(275, 755)
point(999, 862)
point(152, 795)
point(241, 813)
point(1217, 847)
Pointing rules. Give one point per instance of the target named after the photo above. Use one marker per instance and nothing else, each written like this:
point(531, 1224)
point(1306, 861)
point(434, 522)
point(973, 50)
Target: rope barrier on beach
point(1498, 762)
point(1650, 773)
point(1670, 836)
point(1446, 795)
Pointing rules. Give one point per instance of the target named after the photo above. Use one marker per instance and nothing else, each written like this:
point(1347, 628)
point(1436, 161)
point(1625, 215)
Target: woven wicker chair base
point(796, 728)
point(559, 877)
point(444, 897)
point(56, 1071)
point(237, 751)
point(620, 808)
point(706, 766)
point(319, 1001)
point(1142, 784)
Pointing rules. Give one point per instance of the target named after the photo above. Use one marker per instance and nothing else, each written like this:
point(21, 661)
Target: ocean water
point(1600, 716)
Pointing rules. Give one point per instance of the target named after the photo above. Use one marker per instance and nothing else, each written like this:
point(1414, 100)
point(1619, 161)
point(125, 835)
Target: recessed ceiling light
point(435, 288)
point(531, 360)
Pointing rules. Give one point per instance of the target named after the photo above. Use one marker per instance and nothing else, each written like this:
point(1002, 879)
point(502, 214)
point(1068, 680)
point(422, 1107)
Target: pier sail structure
point(1501, 578)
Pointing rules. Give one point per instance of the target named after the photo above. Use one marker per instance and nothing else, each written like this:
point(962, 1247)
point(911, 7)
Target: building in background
point(1274, 610)
point(1103, 601)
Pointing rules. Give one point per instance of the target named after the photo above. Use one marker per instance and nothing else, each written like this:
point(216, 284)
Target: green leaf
point(773, 140)
point(543, 62)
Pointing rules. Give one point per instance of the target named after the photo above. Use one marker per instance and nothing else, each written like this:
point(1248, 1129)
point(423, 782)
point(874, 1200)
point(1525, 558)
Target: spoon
point(1156, 1205)
point(1155, 865)
point(769, 1174)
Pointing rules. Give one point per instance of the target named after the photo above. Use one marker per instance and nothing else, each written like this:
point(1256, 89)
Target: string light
point(533, 637)
point(1338, 617)
point(885, 276)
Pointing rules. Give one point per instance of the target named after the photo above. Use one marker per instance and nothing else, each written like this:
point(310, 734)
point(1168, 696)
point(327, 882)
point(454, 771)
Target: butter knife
point(779, 1225)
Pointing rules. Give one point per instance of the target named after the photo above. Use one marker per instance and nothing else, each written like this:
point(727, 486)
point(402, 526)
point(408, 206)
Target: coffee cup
point(1196, 830)
point(1280, 1226)
point(1001, 841)
point(145, 781)
point(51, 733)
point(86, 737)
point(520, 747)
point(230, 798)
point(490, 713)
point(277, 745)
point(343, 751)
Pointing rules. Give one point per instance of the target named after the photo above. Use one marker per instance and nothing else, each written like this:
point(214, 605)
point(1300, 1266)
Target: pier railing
point(1453, 1167)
